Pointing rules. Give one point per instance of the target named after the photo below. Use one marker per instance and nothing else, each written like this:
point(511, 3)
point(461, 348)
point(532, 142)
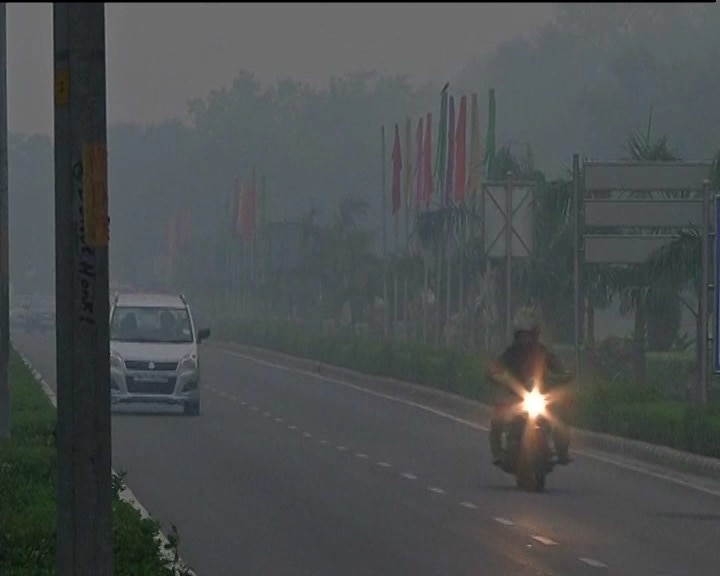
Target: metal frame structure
point(510, 199)
point(601, 204)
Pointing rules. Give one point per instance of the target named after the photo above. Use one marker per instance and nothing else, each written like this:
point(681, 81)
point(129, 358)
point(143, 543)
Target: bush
point(603, 405)
point(27, 485)
point(671, 373)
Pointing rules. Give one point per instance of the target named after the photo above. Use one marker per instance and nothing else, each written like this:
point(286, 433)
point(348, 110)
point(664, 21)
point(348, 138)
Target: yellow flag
point(95, 194)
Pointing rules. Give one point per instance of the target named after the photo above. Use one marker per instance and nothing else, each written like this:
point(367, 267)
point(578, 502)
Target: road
point(287, 473)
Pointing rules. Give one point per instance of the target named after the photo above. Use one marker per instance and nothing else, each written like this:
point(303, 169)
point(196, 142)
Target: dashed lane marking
point(408, 476)
point(544, 540)
point(504, 521)
point(427, 409)
point(435, 490)
point(468, 505)
point(593, 563)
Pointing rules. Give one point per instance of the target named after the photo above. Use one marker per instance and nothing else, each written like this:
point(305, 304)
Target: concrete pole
point(84, 495)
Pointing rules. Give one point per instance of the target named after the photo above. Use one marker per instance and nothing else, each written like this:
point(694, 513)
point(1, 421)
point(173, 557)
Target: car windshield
point(149, 324)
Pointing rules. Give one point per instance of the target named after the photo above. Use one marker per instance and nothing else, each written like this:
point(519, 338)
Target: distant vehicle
point(33, 313)
point(154, 351)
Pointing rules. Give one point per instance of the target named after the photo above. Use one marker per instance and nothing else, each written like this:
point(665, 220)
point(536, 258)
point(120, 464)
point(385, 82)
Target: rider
point(524, 359)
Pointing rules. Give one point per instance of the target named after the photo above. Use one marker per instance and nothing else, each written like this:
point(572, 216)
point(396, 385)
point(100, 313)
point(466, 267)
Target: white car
point(154, 351)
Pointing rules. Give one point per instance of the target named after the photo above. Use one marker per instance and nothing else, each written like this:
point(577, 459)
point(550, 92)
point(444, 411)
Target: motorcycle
point(527, 446)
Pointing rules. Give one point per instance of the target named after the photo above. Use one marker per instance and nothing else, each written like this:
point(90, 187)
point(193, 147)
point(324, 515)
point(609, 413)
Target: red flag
point(419, 167)
point(249, 211)
point(236, 208)
point(397, 167)
point(450, 155)
point(460, 152)
point(183, 227)
point(427, 161)
point(171, 235)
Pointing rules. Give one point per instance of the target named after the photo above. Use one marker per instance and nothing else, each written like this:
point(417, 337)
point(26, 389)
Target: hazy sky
point(162, 55)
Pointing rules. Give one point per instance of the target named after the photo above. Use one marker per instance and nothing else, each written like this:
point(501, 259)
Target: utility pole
point(84, 493)
point(386, 328)
point(701, 394)
point(4, 237)
point(578, 314)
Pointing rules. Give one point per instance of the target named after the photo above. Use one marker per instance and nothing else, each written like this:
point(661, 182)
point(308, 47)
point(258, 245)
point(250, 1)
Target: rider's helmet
point(526, 322)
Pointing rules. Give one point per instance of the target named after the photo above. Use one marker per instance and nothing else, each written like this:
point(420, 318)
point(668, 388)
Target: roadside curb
point(479, 413)
point(126, 495)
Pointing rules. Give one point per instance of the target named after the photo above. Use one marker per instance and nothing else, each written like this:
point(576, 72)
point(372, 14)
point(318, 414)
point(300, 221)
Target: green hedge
point(27, 491)
point(618, 408)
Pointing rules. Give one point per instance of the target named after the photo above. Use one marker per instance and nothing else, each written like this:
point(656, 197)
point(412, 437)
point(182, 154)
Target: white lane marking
point(223, 394)
point(408, 476)
point(384, 464)
point(362, 456)
point(468, 505)
point(243, 403)
point(233, 398)
point(267, 414)
point(342, 448)
point(462, 421)
point(357, 388)
point(292, 427)
point(658, 475)
point(436, 490)
point(255, 409)
point(593, 563)
point(307, 434)
point(324, 442)
point(545, 541)
point(279, 420)
point(504, 521)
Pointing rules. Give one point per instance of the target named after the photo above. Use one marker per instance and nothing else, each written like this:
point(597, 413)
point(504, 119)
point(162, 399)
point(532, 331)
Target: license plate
point(154, 378)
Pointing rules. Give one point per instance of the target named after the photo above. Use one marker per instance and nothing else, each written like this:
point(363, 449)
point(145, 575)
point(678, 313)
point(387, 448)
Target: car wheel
point(192, 409)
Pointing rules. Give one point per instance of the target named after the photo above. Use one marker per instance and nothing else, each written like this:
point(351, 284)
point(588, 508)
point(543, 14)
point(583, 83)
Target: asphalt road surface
point(286, 473)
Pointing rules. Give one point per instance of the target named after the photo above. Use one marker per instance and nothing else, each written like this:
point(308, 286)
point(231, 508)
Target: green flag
point(441, 158)
point(490, 139)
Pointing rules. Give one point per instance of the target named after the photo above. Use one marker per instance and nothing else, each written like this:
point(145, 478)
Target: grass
point(28, 468)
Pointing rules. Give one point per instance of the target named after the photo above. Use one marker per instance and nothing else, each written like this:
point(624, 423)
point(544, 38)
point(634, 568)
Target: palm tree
point(655, 304)
point(678, 264)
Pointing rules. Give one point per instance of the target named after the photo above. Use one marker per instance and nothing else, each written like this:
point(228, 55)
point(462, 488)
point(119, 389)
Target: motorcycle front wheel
point(531, 476)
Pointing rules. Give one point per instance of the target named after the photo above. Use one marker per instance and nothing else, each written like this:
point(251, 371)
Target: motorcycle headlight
point(534, 403)
point(188, 364)
point(116, 361)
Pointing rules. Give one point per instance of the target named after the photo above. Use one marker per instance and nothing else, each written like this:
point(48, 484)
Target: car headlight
point(188, 364)
point(116, 361)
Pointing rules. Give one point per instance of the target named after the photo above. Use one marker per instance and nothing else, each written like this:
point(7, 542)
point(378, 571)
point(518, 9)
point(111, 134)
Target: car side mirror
point(203, 334)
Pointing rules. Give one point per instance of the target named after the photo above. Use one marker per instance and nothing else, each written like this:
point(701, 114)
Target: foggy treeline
point(580, 84)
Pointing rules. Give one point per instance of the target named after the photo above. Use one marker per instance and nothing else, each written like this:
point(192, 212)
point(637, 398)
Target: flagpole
point(449, 216)
point(406, 271)
point(384, 235)
point(440, 171)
